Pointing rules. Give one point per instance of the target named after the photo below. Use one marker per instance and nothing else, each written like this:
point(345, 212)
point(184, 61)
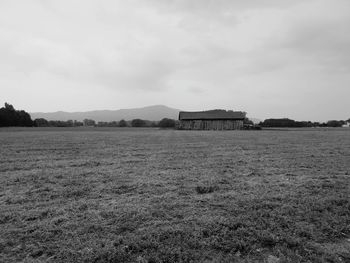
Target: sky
point(272, 59)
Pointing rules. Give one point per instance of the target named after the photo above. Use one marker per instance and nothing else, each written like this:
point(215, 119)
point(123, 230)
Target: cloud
point(319, 38)
point(196, 90)
point(216, 53)
point(115, 57)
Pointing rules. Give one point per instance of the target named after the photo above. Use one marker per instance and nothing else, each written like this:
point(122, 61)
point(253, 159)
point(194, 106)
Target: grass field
point(148, 195)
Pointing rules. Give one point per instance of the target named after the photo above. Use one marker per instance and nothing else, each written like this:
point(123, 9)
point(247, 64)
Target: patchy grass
point(205, 189)
point(147, 195)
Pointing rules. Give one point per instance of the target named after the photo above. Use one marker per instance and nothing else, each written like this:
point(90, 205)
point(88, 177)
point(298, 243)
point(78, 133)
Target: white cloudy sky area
point(273, 58)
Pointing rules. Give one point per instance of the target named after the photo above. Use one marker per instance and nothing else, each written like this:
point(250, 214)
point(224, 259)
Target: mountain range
point(152, 113)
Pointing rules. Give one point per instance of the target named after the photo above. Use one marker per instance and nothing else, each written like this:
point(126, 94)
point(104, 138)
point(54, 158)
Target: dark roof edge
point(211, 115)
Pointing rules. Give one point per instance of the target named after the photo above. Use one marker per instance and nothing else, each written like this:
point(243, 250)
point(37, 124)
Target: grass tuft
point(205, 189)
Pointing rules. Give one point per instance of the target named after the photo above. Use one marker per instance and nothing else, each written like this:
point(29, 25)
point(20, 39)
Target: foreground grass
point(134, 195)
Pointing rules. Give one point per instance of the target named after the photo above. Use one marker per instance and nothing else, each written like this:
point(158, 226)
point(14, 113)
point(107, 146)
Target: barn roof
point(212, 115)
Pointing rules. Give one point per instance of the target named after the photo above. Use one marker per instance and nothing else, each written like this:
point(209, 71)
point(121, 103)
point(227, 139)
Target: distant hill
point(152, 113)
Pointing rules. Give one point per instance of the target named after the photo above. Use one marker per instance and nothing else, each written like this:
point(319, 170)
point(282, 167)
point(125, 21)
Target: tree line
point(285, 122)
point(164, 123)
point(9, 116)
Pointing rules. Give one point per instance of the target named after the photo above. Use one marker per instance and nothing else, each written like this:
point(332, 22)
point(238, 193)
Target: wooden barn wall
point(211, 124)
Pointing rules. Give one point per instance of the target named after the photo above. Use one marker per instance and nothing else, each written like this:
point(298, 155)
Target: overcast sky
point(273, 58)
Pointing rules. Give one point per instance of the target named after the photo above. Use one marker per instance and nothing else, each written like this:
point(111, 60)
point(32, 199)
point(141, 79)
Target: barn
point(211, 120)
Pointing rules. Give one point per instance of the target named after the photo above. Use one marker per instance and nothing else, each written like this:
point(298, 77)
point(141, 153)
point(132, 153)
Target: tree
point(167, 123)
point(11, 117)
point(70, 123)
point(122, 123)
point(138, 123)
point(113, 124)
point(88, 122)
point(9, 107)
point(246, 121)
point(77, 123)
point(154, 124)
point(279, 123)
point(107, 124)
point(334, 123)
point(41, 122)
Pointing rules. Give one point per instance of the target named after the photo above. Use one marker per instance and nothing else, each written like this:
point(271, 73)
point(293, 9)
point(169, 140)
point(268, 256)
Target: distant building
point(346, 125)
point(211, 120)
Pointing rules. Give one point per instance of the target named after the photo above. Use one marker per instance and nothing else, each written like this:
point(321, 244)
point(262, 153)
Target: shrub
point(138, 123)
point(205, 189)
point(167, 123)
point(122, 123)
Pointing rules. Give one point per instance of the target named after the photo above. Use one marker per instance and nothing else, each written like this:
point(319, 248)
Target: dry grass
point(147, 195)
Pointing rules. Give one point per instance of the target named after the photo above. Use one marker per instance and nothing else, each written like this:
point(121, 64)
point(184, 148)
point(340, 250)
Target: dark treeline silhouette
point(41, 122)
point(10, 117)
point(133, 123)
point(167, 123)
point(164, 123)
point(122, 123)
point(171, 123)
point(143, 123)
point(107, 124)
point(138, 123)
point(280, 123)
point(335, 123)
